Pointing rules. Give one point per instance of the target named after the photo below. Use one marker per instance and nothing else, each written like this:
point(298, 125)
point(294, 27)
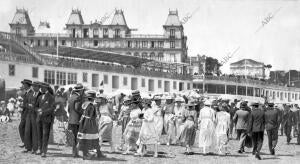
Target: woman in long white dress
point(158, 117)
point(169, 123)
point(106, 114)
point(207, 118)
point(133, 128)
point(148, 134)
point(178, 118)
point(222, 129)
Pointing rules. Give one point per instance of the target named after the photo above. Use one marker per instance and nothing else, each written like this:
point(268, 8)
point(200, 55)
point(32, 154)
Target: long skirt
point(59, 130)
point(207, 133)
point(148, 134)
point(159, 124)
point(132, 132)
point(188, 133)
point(105, 128)
point(169, 125)
point(88, 138)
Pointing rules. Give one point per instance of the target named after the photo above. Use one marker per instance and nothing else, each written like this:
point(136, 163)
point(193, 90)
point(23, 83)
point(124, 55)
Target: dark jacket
point(288, 118)
point(241, 119)
point(74, 108)
point(32, 99)
point(46, 103)
point(25, 104)
point(256, 120)
point(272, 119)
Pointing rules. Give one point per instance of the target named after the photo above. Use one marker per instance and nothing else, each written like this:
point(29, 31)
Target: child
point(4, 113)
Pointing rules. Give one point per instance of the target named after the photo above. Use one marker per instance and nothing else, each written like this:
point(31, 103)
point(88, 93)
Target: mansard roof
point(75, 17)
point(21, 17)
point(173, 19)
point(118, 18)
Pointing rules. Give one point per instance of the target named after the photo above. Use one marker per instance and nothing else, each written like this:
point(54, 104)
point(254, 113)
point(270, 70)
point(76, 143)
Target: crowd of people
point(90, 117)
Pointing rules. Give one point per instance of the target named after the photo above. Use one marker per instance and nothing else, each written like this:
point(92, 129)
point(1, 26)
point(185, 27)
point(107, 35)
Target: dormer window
point(172, 33)
point(105, 33)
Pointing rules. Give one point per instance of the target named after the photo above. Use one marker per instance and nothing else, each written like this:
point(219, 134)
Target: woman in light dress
point(207, 119)
point(188, 133)
point(178, 118)
point(148, 134)
point(158, 117)
point(169, 122)
point(106, 114)
point(133, 128)
point(222, 129)
point(124, 118)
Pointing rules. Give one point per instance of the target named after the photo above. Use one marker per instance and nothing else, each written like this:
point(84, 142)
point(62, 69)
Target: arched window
point(136, 54)
point(152, 56)
point(144, 55)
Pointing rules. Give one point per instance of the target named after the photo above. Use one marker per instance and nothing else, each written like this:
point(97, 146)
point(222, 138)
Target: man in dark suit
point(272, 122)
point(75, 112)
point(30, 138)
point(288, 122)
point(256, 128)
point(26, 85)
point(241, 119)
point(45, 109)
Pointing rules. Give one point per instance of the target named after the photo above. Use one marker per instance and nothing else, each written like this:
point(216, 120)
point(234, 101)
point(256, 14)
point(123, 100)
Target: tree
point(212, 65)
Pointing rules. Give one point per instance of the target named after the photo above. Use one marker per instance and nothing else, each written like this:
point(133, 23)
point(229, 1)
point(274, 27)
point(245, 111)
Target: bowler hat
point(26, 81)
point(135, 93)
point(78, 87)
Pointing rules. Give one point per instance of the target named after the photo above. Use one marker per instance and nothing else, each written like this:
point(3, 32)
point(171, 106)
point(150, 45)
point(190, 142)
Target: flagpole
point(57, 46)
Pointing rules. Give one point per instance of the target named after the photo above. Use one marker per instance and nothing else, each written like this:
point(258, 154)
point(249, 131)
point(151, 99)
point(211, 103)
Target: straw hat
point(26, 81)
point(179, 99)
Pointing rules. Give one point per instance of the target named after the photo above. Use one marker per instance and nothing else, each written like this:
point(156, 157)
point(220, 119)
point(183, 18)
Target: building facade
point(116, 36)
point(248, 67)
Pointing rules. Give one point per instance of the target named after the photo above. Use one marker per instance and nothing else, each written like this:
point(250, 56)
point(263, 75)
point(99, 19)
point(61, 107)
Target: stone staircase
point(8, 37)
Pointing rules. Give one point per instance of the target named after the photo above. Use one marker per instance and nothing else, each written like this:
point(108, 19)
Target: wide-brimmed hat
point(26, 81)
point(135, 93)
point(42, 84)
point(102, 96)
point(156, 97)
point(36, 83)
point(256, 104)
point(90, 94)
point(169, 97)
point(78, 87)
point(179, 99)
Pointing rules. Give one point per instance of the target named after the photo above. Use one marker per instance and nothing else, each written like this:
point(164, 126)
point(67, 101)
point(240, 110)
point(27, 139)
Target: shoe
point(26, 151)
point(258, 156)
point(22, 145)
point(273, 152)
point(43, 155)
point(190, 153)
point(155, 155)
point(240, 152)
point(33, 152)
point(86, 157)
point(101, 155)
point(253, 153)
point(39, 152)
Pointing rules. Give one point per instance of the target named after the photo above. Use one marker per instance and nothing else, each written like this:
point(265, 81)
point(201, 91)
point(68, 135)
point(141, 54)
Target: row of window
point(96, 43)
point(62, 78)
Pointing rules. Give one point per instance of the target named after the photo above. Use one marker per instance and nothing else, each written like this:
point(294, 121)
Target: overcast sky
point(216, 28)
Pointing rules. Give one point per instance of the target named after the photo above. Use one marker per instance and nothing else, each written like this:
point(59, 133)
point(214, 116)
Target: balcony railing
point(53, 35)
point(143, 36)
point(69, 63)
